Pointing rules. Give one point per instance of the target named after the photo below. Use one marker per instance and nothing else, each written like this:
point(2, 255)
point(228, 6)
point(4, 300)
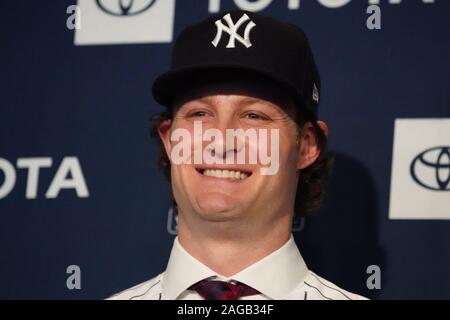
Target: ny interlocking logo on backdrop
point(420, 178)
point(125, 21)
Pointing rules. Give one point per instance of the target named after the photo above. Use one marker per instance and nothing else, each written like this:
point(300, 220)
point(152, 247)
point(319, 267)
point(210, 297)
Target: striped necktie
point(222, 290)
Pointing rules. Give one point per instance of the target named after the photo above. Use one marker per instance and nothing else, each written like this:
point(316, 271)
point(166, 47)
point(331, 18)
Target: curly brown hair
point(312, 180)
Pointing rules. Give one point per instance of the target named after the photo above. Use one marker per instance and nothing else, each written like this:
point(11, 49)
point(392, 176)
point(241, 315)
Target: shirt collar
point(275, 276)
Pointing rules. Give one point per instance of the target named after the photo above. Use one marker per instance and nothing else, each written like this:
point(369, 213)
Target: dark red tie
point(222, 290)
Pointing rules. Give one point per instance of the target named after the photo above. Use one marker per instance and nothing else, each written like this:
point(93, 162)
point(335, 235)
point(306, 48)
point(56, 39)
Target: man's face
point(228, 189)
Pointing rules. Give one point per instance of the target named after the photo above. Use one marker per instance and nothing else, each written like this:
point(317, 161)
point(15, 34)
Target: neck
point(215, 244)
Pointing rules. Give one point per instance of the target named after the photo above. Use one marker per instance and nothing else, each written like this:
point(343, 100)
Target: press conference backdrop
point(84, 210)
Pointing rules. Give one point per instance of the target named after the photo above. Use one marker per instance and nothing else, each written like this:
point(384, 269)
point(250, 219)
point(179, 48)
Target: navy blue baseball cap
point(239, 43)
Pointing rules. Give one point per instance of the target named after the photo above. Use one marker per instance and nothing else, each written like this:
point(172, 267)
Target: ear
point(309, 149)
point(164, 134)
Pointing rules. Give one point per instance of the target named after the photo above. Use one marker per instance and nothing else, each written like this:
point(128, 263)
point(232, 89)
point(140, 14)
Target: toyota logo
point(431, 168)
point(124, 8)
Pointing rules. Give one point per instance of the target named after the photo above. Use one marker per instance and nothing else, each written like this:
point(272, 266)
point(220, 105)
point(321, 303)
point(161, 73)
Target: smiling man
point(238, 76)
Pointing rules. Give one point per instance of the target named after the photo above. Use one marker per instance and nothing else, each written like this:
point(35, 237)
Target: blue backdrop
point(60, 101)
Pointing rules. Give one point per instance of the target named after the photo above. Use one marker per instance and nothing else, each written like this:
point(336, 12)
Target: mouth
point(231, 174)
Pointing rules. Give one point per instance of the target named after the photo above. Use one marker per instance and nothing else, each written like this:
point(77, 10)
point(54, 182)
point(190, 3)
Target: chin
point(218, 207)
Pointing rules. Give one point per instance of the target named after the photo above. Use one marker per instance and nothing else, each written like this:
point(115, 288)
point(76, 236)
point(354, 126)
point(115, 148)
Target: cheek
point(286, 177)
point(181, 140)
point(289, 148)
point(183, 183)
point(175, 176)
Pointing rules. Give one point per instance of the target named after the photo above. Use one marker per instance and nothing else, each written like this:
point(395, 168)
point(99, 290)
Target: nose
point(227, 144)
point(224, 148)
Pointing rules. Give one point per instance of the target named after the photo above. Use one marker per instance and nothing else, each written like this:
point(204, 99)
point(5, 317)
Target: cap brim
point(166, 86)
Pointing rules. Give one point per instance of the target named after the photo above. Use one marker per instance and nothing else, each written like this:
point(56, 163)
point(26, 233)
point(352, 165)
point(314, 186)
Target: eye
point(255, 116)
point(198, 113)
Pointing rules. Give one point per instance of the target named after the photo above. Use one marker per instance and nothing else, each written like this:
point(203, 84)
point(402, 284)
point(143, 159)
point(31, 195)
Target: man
point(248, 73)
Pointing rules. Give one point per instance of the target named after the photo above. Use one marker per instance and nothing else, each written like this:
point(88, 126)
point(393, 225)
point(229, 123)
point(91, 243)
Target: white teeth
point(230, 174)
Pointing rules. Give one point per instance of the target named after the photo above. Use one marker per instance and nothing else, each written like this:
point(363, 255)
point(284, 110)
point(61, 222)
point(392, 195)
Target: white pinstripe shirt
point(282, 275)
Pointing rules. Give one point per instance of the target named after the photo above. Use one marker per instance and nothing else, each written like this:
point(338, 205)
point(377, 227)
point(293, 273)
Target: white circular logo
point(124, 8)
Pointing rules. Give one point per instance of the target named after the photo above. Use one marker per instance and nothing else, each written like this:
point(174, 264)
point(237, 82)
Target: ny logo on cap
point(232, 30)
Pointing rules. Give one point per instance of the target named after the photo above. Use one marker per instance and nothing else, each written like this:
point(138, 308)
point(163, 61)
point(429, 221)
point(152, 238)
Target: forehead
point(247, 90)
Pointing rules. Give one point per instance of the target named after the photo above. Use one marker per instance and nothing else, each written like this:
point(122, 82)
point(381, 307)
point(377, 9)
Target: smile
point(225, 174)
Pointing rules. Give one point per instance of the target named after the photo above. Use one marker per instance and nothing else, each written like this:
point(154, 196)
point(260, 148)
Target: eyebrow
point(251, 100)
point(245, 101)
